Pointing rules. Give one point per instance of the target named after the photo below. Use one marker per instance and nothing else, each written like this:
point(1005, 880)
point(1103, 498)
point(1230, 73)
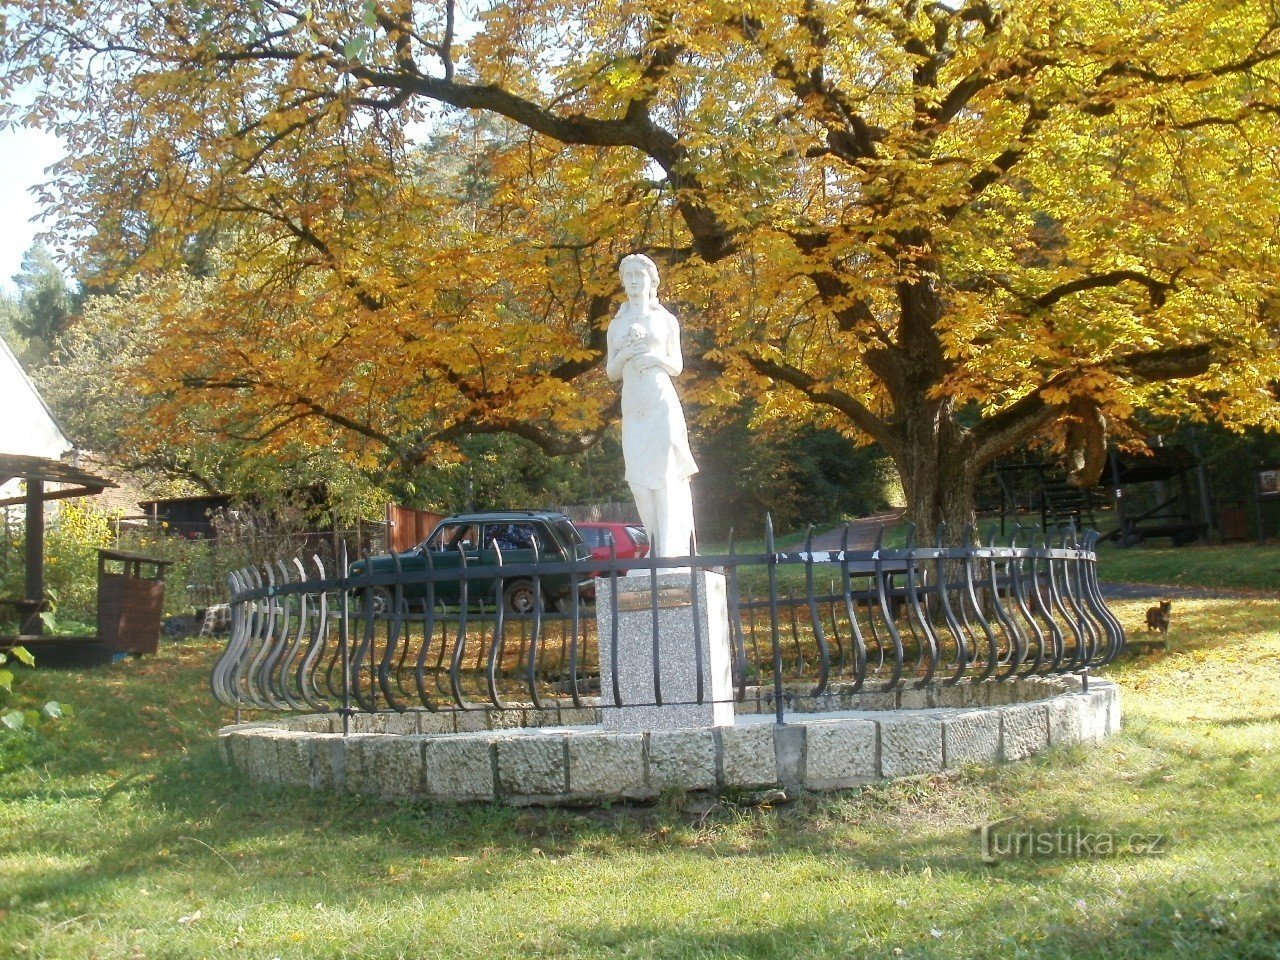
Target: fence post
point(772, 563)
point(344, 641)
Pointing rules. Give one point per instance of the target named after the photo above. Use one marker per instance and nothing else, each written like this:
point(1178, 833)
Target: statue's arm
point(672, 359)
point(616, 359)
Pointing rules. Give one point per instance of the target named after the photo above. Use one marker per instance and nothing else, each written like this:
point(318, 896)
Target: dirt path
point(862, 532)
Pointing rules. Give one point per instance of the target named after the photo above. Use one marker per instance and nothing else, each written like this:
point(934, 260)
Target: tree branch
point(1037, 114)
point(1168, 363)
point(849, 136)
point(820, 393)
point(1032, 413)
point(1157, 290)
point(713, 238)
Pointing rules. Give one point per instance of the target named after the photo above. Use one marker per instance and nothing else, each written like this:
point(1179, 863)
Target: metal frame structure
point(808, 622)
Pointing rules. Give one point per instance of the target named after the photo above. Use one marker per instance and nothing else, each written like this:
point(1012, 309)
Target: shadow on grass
point(902, 858)
point(137, 797)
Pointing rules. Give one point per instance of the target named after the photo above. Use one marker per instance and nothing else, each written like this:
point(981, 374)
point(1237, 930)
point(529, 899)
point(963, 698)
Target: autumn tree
point(948, 227)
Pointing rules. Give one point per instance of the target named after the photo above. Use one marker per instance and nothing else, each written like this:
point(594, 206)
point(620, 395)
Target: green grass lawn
point(1237, 566)
point(121, 836)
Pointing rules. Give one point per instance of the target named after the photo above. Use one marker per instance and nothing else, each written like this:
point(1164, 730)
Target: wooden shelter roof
point(80, 482)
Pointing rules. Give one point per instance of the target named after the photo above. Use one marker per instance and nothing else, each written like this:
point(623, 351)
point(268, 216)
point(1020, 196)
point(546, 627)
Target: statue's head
point(638, 268)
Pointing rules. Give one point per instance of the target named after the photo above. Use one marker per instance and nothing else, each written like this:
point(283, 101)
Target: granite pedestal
point(689, 635)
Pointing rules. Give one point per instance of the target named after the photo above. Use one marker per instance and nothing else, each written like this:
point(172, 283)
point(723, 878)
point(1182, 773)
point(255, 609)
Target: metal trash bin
point(130, 601)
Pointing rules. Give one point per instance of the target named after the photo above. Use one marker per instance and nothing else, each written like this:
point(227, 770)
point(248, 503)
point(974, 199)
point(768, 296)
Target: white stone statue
point(644, 353)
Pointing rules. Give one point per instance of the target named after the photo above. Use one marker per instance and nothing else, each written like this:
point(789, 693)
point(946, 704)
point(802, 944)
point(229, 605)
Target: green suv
point(480, 537)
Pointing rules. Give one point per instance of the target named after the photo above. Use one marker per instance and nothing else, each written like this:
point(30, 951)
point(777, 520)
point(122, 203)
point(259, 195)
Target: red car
point(627, 538)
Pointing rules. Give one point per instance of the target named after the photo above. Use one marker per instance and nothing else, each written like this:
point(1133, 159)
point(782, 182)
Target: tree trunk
point(940, 480)
point(933, 453)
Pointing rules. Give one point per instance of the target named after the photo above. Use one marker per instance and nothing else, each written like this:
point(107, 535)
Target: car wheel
point(519, 598)
point(379, 599)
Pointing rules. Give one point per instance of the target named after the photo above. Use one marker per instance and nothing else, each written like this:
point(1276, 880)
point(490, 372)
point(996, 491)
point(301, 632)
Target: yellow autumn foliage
point(951, 228)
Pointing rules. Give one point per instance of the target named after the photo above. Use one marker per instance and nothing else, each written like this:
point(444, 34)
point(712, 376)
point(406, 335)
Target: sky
point(24, 155)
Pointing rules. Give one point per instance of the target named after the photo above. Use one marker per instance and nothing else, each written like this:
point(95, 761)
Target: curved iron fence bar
point(428, 634)
point(794, 622)
point(251, 674)
point(460, 644)
point(1041, 620)
point(699, 691)
point(1057, 610)
point(289, 634)
point(535, 637)
point(218, 679)
point(1096, 625)
point(911, 595)
point(969, 602)
point(819, 634)
point(779, 705)
point(1042, 606)
point(218, 676)
point(1115, 631)
point(851, 610)
point(286, 679)
point(494, 661)
point(257, 640)
point(1020, 598)
point(344, 645)
point(1032, 558)
point(1075, 575)
point(944, 560)
point(395, 629)
point(882, 593)
point(274, 679)
point(337, 662)
point(355, 660)
point(855, 632)
point(1013, 656)
point(253, 643)
point(263, 679)
point(315, 648)
point(256, 643)
point(842, 658)
point(613, 638)
point(875, 634)
point(1079, 625)
point(915, 591)
point(736, 637)
point(1055, 597)
point(575, 599)
point(655, 639)
point(399, 674)
point(291, 641)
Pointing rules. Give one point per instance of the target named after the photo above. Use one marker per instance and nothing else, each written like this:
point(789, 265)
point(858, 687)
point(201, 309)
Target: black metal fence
point(306, 637)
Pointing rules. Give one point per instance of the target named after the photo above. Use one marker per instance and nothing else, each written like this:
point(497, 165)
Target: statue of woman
point(644, 353)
